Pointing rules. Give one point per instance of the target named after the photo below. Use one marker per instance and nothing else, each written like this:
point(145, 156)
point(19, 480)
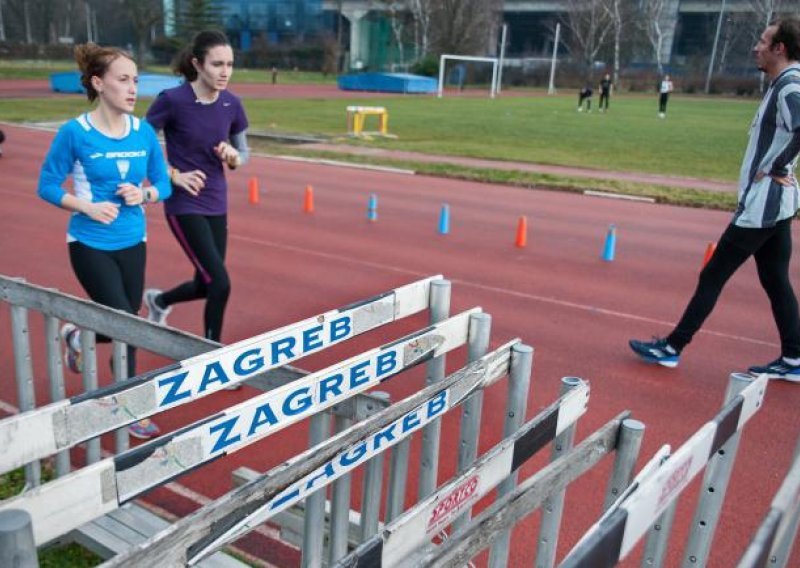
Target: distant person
point(585, 96)
point(605, 92)
point(205, 129)
point(109, 153)
point(274, 75)
point(2, 139)
point(664, 89)
point(762, 224)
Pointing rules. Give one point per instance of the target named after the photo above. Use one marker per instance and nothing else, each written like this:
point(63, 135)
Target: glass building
point(279, 21)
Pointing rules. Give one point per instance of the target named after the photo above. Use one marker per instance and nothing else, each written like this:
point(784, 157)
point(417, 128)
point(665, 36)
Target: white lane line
point(495, 289)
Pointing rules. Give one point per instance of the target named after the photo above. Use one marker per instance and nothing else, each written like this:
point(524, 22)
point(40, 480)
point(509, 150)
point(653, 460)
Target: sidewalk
point(567, 171)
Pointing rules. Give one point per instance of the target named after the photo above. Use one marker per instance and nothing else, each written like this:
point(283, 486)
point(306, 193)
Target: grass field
point(701, 137)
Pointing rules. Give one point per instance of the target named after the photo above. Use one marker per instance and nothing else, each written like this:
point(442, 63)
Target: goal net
point(459, 72)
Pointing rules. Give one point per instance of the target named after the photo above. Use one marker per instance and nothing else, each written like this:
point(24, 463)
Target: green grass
point(702, 138)
point(41, 69)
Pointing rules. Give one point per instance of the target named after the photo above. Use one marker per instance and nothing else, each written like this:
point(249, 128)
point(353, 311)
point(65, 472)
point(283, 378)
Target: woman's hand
point(228, 154)
point(785, 181)
point(192, 181)
point(131, 194)
point(103, 212)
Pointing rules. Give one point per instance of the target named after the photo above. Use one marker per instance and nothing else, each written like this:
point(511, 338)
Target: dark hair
point(94, 61)
point(201, 44)
point(788, 33)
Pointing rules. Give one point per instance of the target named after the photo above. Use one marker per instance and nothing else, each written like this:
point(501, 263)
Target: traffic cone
point(372, 207)
point(610, 244)
point(709, 253)
point(252, 191)
point(308, 201)
point(444, 220)
point(522, 232)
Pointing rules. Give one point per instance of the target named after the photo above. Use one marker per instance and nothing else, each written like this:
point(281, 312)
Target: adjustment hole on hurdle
point(702, 523)
point(657, 527)
point(711, 490)
point(721, 452)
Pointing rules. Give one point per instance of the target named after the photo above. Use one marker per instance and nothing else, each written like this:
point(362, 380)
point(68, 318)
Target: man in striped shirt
point(761, 226)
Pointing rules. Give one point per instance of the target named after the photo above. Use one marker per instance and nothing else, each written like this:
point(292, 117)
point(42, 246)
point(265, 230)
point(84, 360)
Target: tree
point(198, 15)
point(652, 12)
point(463, 27)
point(589, 23)
point(397, 23)
point(421, 11)
point(144, 14)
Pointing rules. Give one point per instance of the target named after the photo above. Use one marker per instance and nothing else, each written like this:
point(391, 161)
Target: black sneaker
point(778, 369)
point(656, 351)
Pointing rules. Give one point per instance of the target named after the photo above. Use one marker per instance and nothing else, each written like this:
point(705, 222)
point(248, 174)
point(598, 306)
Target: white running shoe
point(155, 313)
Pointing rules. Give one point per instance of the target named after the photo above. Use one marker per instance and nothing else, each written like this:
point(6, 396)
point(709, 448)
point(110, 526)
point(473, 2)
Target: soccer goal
point(458, 71)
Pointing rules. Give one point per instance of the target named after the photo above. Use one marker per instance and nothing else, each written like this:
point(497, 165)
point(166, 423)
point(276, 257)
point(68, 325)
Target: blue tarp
point(150, 84)
point(388, 83)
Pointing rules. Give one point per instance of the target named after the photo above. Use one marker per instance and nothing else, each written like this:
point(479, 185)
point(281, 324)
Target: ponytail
point(93, 61)
point(201, 44)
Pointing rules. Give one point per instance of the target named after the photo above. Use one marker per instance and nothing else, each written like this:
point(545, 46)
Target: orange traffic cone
point(252, 191)
point(709, 253)
point(308, 202)
point(522, 232)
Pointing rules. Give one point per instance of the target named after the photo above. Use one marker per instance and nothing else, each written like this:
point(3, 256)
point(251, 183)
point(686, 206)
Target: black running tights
point(772, 250)
point(113, 278)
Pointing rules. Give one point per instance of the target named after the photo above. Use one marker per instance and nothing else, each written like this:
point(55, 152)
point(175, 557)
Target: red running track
point(557, 295)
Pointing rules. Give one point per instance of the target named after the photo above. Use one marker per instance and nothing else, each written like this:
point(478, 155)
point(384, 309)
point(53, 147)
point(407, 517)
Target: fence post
point(429, 459)
point(89, 358)
point(17, 547)
point(630, 441)
point(314, 519)
point(553, 506)
point(371, 489)
point(24, 371)
point(655, 548)
point(519, 380)
point(780, 554)
point(480, 329)
point(55, 372)
point(398, 476)
point(120, 365)
point(715, 484)
point(340, 505)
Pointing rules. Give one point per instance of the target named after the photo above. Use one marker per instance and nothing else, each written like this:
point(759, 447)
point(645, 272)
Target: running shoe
point(778, 369)
point(73, 358)
point(656, 351)
point(155, 313)
point(150, 430)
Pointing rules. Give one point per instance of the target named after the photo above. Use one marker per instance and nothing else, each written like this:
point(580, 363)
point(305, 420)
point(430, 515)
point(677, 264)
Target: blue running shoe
point(778, 369)
point(656, 351)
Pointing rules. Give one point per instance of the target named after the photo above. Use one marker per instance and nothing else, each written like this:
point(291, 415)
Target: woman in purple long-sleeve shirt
point(204, 126)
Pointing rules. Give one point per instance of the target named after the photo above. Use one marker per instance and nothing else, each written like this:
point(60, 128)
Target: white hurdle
point(47, 430)
point(612, 539)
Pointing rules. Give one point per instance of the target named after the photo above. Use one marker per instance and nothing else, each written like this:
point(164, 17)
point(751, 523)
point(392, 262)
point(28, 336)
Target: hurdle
point(357, 117)
point(773, 540)
point(65, 423)
point(191, 538)
point(613, 537)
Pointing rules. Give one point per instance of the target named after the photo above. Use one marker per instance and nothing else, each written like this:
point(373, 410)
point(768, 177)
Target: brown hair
point(93, 61)
point(788, 33)
point(201, 44)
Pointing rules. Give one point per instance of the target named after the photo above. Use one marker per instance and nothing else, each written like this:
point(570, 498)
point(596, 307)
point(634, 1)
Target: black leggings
point(204, 239)
point(113, 278)
point(772, 249)
point(662, 102)
point(603, 101)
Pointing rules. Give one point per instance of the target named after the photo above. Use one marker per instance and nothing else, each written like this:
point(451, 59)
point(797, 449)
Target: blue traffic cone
point(372, 207)
point(611, 243)
point(444, 220)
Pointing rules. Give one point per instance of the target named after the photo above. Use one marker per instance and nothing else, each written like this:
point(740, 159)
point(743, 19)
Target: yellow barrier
point(357, 116)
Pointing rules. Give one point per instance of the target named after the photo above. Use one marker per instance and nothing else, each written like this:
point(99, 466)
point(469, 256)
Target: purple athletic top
point(192, 130)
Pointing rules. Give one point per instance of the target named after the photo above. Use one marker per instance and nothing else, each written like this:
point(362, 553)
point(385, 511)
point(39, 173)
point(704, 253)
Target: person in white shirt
point(663, 95)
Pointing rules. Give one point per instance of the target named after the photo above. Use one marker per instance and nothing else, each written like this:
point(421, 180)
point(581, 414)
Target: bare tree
point(2, 23)
point(464, 26)
point(652, 14)
point(614, 9)
point(144, 14)
point(421, 11)
point(589, 23)
point(397, 22)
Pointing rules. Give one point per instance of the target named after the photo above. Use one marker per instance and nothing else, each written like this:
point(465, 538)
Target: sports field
point(556, 294)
